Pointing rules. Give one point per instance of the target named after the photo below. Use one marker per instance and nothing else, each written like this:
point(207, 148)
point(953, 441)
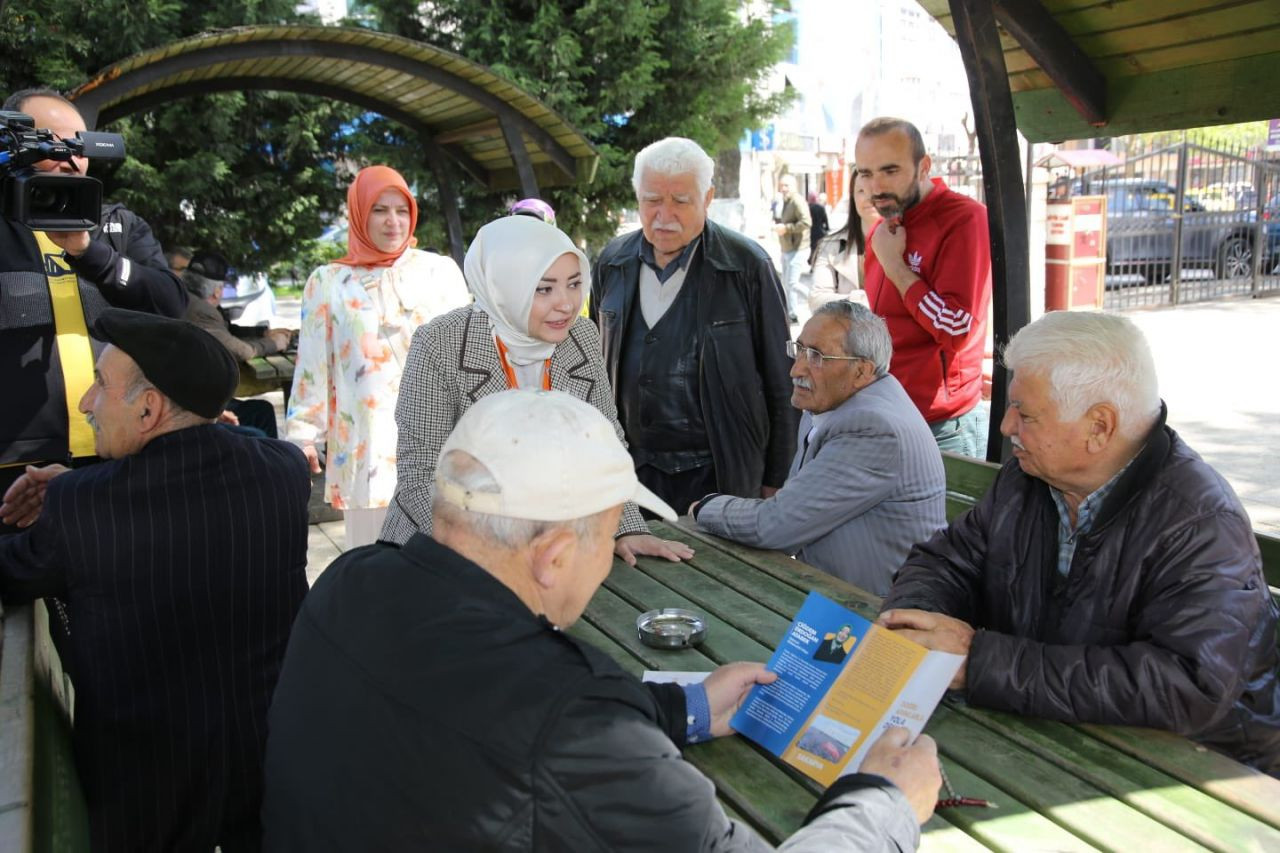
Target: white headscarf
point(503, 266)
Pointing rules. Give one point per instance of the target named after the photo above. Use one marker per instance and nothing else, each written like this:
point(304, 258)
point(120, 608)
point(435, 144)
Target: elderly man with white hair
point(1109, 575)
point(867, 482)
point(430, 699)
point(694, 326)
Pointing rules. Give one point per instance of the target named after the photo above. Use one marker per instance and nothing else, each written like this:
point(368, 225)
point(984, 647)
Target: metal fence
point(1187, 222)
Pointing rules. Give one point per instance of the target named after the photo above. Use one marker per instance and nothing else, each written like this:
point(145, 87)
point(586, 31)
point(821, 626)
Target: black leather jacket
point(1164, 620)
point(744, 372)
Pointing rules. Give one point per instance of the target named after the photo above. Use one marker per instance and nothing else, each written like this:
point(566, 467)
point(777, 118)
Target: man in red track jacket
point(928, 273)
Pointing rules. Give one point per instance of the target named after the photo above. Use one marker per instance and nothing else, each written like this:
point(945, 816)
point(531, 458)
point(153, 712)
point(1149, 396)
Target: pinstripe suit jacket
point(183, 567)
point(867, 487)
point(452, 363)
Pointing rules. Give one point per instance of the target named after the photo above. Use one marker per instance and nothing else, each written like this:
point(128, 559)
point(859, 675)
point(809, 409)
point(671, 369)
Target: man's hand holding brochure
point(849, 697)
point(841, 682)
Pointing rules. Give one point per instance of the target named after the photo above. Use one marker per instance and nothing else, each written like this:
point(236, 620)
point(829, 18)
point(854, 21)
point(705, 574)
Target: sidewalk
point(1217, 362)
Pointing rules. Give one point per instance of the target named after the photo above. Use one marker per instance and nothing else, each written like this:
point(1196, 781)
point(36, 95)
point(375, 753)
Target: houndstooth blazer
point(452, 363)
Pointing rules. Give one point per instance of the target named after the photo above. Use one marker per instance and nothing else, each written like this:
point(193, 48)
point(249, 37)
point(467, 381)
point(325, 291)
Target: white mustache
point(673, 227)
point(802, 382)
point(1016, 442)
point(92, 421)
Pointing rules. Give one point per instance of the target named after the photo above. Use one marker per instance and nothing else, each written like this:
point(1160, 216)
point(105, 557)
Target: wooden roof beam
point(476, 130)
point(1051, 47)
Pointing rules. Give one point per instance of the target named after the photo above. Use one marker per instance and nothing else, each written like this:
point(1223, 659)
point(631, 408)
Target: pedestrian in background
point(819, 227)
point(837, 265)
point(793, 234)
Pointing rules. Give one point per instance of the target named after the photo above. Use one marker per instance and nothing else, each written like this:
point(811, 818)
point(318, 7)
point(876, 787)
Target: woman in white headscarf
point(524, 331)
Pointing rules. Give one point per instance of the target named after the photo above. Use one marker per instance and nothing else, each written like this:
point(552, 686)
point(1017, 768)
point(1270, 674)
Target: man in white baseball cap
point(430, 700)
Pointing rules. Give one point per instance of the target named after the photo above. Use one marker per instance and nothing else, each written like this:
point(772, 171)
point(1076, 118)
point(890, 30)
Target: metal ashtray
point(671, 628)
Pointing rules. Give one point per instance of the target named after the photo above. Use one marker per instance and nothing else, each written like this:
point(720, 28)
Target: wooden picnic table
point(1057, 786)
point(267, 373)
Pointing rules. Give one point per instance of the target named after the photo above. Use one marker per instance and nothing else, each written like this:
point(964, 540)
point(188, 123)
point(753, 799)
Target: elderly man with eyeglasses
point(867, 481)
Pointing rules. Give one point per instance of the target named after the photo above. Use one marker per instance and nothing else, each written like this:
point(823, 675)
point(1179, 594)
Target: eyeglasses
point(816, 358)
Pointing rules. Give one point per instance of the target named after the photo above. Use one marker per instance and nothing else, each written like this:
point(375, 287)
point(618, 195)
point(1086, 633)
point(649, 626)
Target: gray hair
point(1088, 358)
point(868, 336)
point(675, 155)
point(199, 286)
point(139, 383)
point(464, 471)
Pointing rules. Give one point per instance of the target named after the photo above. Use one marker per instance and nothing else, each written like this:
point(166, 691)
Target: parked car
point(250, 301)
point(1141, 226)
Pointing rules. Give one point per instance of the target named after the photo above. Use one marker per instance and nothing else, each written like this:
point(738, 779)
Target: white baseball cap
point(553, 456)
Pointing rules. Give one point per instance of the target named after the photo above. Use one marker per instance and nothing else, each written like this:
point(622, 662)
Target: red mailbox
point(1075, 252)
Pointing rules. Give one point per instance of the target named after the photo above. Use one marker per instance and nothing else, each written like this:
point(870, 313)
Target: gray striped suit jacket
point(864, 489)
point(452, 363)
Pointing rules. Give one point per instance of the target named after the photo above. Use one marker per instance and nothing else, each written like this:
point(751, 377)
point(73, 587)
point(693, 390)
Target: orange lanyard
point(511, 374)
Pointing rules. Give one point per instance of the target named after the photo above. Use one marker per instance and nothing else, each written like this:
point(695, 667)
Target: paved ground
point(1216, 362)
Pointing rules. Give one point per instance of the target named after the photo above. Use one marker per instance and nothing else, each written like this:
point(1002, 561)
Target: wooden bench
point(968, 480)
point(267, 373)
point(42, 806)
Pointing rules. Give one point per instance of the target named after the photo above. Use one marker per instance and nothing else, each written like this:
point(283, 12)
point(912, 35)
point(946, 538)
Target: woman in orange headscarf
point(358, 319)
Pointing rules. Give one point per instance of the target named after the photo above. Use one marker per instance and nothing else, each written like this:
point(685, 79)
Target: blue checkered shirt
point(1086, 513)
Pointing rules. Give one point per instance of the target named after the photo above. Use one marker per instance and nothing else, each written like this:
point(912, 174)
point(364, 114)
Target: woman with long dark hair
point(837, 266)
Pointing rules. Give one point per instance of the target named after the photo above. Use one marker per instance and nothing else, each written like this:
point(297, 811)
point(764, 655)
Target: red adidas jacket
point(939, 329)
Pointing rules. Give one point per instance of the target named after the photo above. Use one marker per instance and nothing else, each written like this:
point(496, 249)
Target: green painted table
point(267, 373)
point(1058, 786)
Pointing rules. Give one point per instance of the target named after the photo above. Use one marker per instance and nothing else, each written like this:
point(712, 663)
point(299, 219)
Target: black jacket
point(33, 423)
point(182, 567)
point(125, 261)
point(744, 372)
point(1164, 620)
point(422, 706)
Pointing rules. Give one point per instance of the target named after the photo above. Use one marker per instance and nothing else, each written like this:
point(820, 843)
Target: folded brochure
point(841, 682)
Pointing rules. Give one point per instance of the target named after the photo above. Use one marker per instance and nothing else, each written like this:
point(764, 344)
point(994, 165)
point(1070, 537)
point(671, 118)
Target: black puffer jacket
point(744, 372)
point(1164, 619)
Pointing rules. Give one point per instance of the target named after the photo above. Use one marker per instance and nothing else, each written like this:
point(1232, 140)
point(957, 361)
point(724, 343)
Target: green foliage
point(253, 174)
point(306, 256)
point(1250, 134)
point(247, 174)
point(624, 72)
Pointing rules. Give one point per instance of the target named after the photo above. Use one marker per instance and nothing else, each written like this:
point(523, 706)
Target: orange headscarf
point(371, 182)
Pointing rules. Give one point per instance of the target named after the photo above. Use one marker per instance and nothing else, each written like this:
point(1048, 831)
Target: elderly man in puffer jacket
point(1109, 575)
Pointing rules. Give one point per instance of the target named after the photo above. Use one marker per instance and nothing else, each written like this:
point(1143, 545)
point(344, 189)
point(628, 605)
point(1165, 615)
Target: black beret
point(188, 365)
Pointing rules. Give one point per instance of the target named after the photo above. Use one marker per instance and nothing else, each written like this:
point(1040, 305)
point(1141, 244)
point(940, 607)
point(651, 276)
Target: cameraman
point(121, 256)
point(47, 356)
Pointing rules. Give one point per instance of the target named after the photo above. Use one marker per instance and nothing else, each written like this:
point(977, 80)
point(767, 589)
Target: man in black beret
point(182, 561)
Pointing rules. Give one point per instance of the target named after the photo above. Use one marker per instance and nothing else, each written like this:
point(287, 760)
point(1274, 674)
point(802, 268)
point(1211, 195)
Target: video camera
point(50, 201)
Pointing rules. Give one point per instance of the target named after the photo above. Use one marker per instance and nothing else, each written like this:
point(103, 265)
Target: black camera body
point(50, 201)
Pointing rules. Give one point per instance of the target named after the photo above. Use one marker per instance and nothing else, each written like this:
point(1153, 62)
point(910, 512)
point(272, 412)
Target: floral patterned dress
point(357, 325)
